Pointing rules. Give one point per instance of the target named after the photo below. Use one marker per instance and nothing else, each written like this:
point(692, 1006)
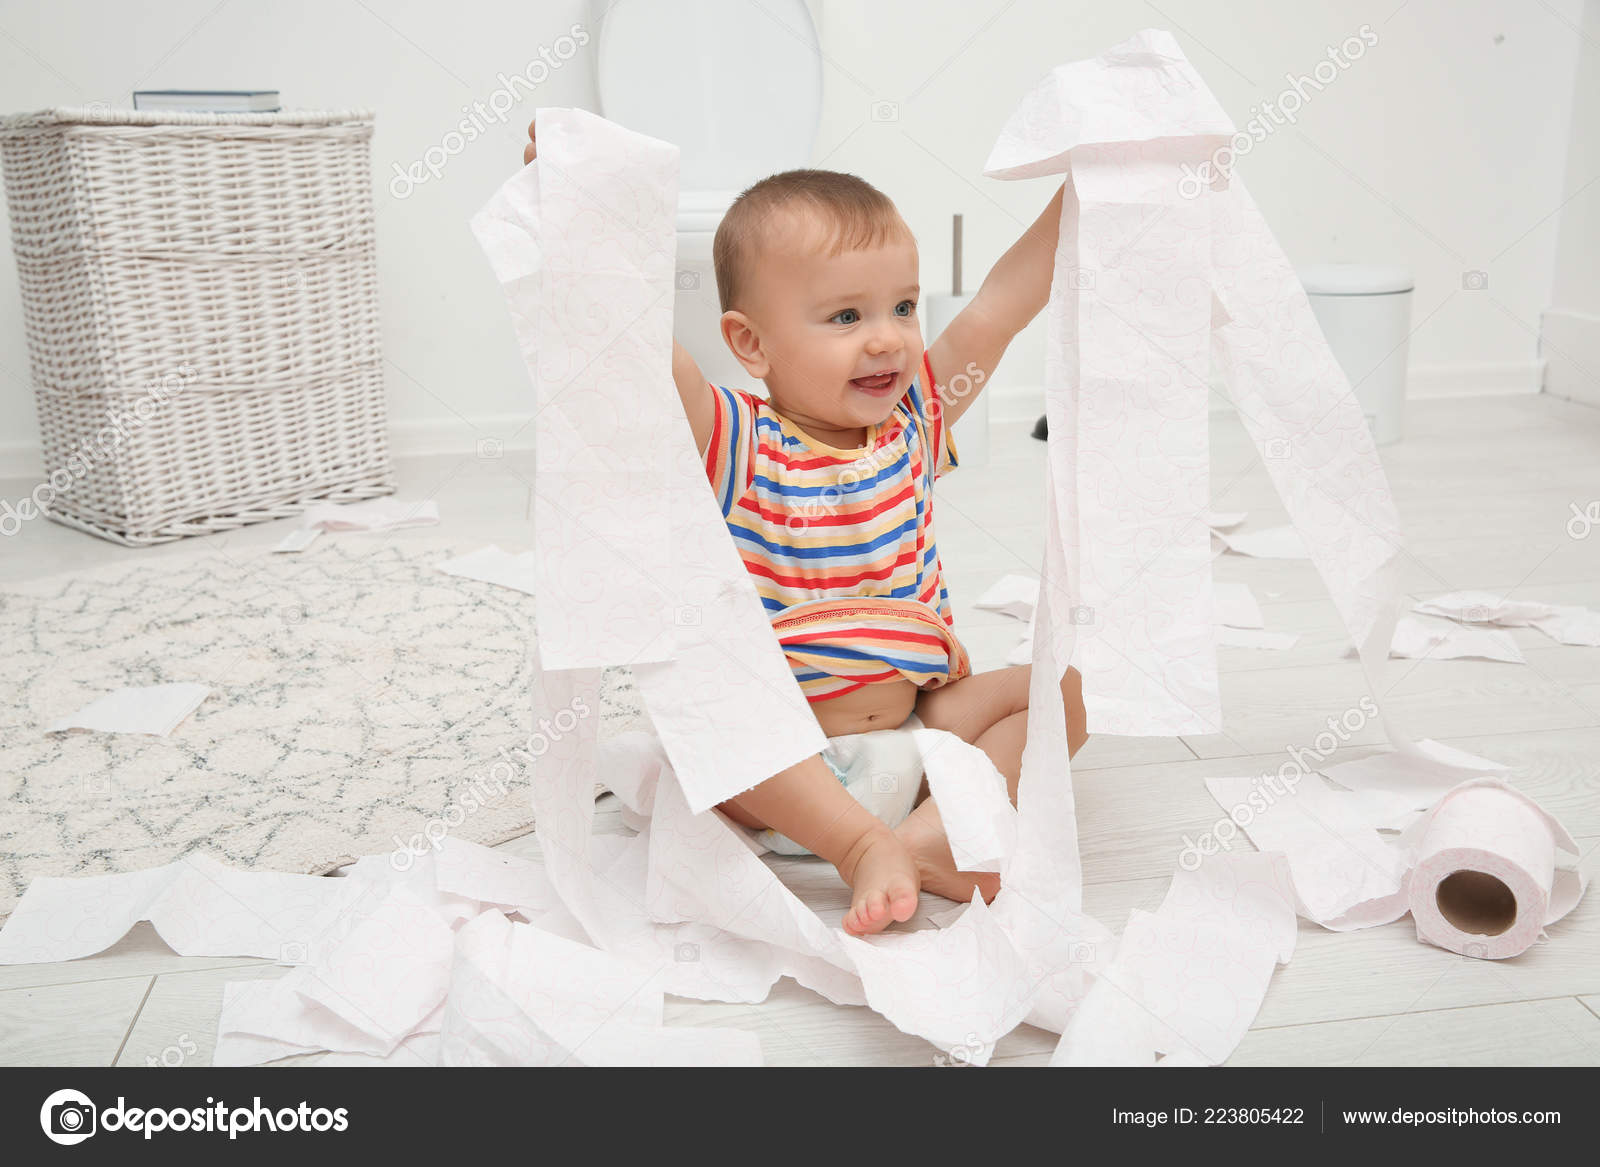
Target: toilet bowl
point(737, 87)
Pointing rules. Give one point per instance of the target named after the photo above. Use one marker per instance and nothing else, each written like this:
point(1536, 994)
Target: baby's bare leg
point(807, 803)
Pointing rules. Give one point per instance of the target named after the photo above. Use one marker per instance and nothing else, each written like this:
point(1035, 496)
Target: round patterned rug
point(360, 703)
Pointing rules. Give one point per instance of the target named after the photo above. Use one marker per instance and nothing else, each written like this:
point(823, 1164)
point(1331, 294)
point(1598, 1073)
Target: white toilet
point(738, 88)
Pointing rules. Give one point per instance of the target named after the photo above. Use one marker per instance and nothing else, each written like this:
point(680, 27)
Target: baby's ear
point(745, 343)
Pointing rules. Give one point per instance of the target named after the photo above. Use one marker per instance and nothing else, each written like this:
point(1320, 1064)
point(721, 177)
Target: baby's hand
point(531, 150)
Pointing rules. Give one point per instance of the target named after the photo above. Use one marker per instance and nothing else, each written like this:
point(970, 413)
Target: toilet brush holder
point(971, 433)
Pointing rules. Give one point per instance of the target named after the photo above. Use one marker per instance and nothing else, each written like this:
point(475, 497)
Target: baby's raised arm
point(693, 389)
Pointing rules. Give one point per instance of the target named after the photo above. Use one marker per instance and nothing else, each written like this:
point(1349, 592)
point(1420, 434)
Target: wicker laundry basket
point(199, 293)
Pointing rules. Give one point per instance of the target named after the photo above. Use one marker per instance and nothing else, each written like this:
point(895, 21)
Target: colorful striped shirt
point(840, 543)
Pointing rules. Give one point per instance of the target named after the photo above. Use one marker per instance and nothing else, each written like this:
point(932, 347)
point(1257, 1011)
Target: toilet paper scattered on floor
point(1345, 874)
point(373, 514)
point(297, 540)
point(1013, 595)
point(152, 709)
point(1234, 610)
point(1187, 980)
point(1418, 772)
point(1271, 543)
point(1482, 872)
point(1225, 520)
point(1234, 604)
point(1255, 638)
point(1414, 640)
point(1566, 623)
point(198, 906)
point(494, 566)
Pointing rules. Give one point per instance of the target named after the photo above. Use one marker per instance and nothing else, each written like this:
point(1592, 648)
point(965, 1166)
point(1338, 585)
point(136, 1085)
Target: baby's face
point(828, 323)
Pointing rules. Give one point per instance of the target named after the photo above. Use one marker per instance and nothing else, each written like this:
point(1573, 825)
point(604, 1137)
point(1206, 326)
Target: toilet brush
point(938, 310)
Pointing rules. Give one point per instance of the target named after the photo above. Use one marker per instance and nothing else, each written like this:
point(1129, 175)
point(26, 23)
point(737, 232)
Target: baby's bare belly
point(884, 705)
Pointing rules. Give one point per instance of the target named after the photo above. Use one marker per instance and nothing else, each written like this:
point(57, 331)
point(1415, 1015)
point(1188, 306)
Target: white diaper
point(881, 769)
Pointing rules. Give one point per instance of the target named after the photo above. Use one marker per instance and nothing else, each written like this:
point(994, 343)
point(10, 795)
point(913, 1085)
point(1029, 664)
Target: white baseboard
point(452, 435)
point(1570, 335)
point(1570, 345)
point(1473, 379)
point(1423, 382)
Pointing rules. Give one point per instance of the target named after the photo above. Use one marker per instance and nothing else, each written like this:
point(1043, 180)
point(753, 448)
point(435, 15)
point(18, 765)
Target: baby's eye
point(910, 306)
point(846, 312)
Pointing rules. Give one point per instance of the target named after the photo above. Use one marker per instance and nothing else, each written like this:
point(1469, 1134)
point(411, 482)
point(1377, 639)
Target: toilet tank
point(736, 85)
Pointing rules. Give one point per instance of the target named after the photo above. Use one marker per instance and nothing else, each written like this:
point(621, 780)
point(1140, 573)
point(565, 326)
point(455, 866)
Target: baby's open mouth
point(878, 383)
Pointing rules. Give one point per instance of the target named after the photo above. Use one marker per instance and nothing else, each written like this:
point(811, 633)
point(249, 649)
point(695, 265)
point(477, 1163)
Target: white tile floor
point(1485, 487)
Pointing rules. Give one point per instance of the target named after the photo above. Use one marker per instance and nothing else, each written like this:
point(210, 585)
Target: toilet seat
point(736, 86)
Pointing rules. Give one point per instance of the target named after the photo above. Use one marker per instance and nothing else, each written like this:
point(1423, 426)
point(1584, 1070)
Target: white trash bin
point(1365, 312)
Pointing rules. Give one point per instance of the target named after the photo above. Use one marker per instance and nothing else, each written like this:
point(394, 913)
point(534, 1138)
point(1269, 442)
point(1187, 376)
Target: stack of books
point(208, 100)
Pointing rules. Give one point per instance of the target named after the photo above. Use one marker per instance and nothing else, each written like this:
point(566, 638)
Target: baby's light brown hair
point(857, 213)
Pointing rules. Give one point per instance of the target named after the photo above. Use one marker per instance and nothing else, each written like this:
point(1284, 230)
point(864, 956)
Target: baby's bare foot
point(924, 836)
point(883, 884)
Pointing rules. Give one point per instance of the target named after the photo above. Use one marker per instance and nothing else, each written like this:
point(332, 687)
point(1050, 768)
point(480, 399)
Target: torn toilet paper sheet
point(1023, 652)
point(1415, 640)
point(198, 906)
point(1234, 604)
point(373, 514)
point(1017, 596)
point(1345, 874)
point(494, 566)
point(1255, 638)
point(1271, 543)
point(297, 540)
point(522, 996)
point(1014, 595)
point(1188, 979)
point(1225, 520)
point(153, 709)
point(1565, 623)
point(402, 949)
point(1420, 774)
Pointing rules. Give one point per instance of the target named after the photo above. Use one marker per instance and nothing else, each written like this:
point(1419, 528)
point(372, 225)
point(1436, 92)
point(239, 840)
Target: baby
point(827, 489)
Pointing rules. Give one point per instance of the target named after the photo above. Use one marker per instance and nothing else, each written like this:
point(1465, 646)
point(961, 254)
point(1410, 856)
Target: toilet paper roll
point(1486, 863)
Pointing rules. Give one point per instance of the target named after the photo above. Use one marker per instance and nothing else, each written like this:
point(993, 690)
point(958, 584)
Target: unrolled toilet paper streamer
point(1155, 273)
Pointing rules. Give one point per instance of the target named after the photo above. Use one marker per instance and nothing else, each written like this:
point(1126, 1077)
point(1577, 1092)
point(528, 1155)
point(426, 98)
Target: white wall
point(1444, 148)
point(1571, 336)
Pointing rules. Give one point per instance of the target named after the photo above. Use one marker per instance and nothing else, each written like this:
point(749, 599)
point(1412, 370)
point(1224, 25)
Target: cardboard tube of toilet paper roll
point(1486, 863)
